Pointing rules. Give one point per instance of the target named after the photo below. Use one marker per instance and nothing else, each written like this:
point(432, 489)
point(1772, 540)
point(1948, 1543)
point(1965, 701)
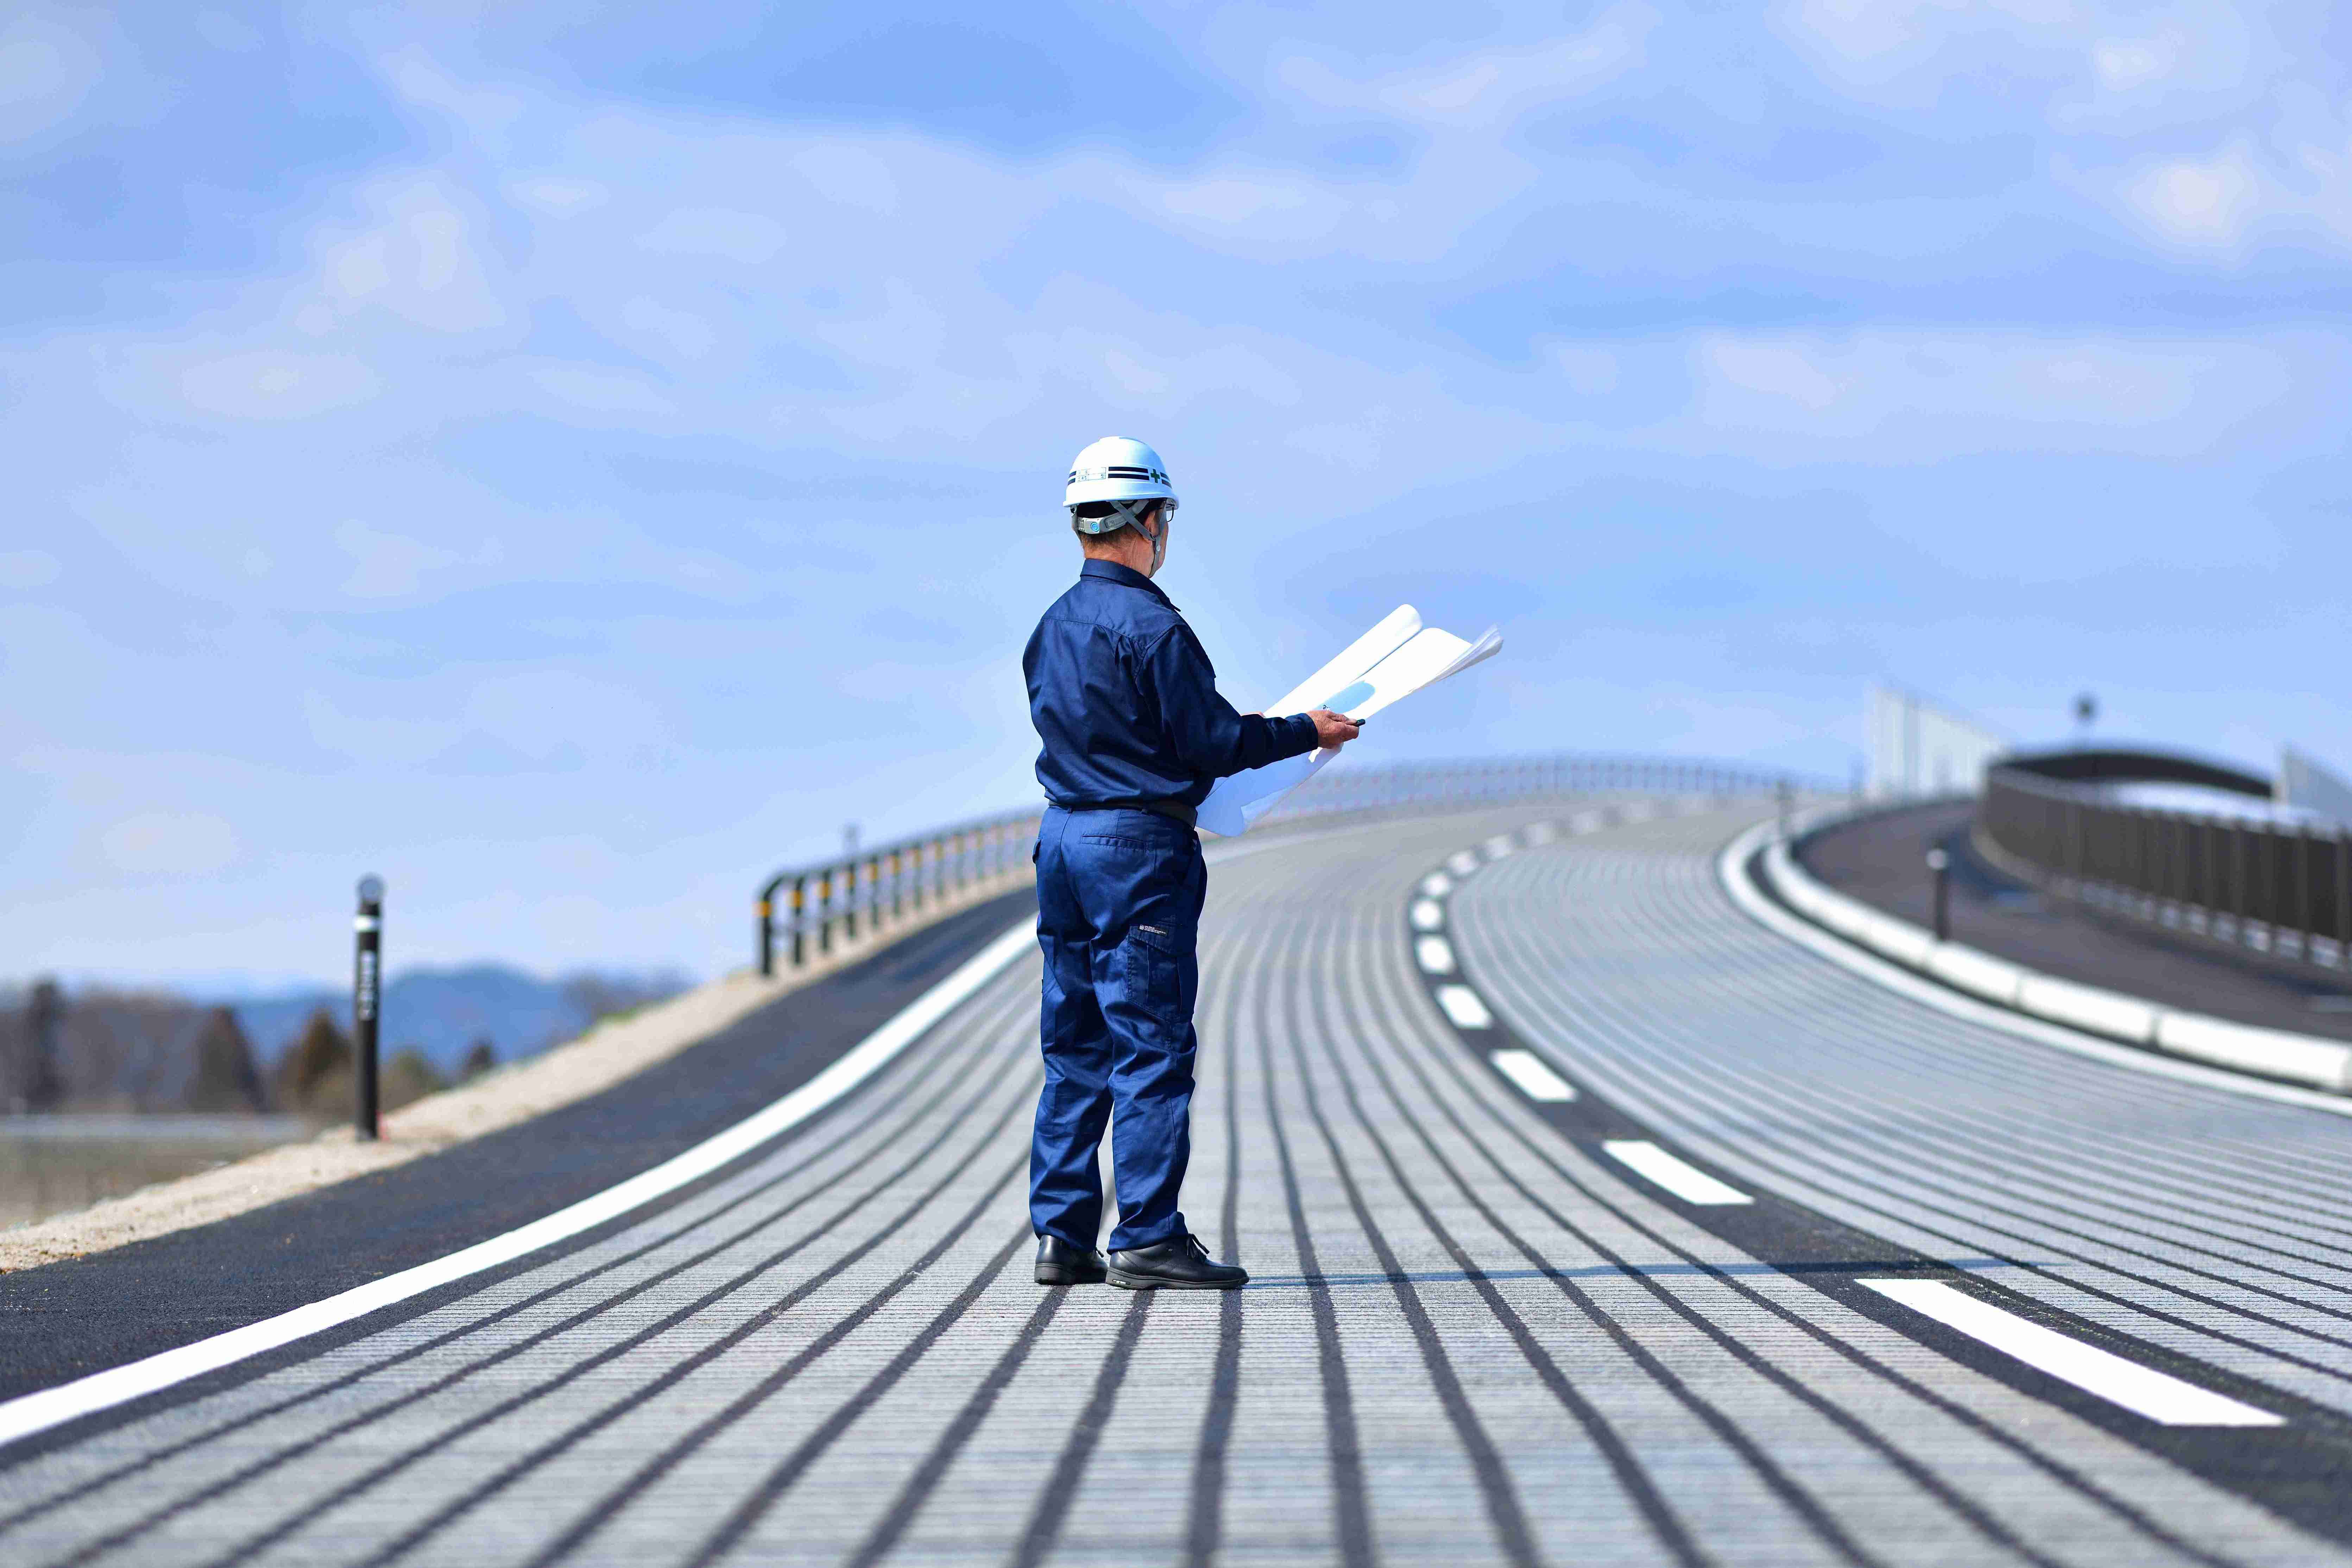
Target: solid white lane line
point(1678, 1176)
point(1533, 1074)
point(1437, 884)
point(1428, 914)
point(1435, 955)
point(1463, 862)
point(2158, 1396)
point(1461, 1005)
point(31, 1412)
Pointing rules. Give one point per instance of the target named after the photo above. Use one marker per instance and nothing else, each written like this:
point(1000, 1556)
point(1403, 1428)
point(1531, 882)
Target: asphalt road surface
point(1589, 1220)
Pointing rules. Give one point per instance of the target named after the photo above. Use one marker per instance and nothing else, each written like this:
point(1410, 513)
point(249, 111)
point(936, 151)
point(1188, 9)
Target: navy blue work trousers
point(1119, 911)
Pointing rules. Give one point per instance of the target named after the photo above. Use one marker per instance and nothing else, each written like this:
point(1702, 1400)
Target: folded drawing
point(1393, 660)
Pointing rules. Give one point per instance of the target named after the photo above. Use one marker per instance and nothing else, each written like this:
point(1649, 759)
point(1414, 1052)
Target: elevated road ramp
point(1590, 1222)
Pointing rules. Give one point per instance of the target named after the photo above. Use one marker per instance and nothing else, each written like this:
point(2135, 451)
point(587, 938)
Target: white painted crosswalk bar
point(1678, 1176)
point(1533, 1074)
point(2158, 1395)
point(31, 1412)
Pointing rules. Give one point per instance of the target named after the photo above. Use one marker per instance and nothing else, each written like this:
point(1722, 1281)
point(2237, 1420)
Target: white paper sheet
point(1393, 660)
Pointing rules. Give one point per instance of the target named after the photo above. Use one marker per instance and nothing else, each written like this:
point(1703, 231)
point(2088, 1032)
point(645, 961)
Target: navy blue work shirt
point(1126, 701)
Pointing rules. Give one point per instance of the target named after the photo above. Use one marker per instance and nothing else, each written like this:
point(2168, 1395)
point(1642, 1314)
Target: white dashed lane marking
point(1435, 954)
point(1533, 1074)
point(1498, 847)
point(2156, 1395)
point(1463, 862)
point(1461, 1005)
point(1436, 885)
point(1678, 1176)
point(1428, 914)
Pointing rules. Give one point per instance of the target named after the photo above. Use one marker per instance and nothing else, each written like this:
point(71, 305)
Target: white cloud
point(1900, 397)
point(849, 174)
point(747, 237)
point(2205, 202)
point(417, 261)
point(2123, 64)
point(1586, 369)
point(23, 569)
point(387, 565)
point(168, 844)
point(47, 70)
point(682, 334)
point(584, 389)
point(269, 384)
point(1489, 89)
point(546, 714)
point(559, 197)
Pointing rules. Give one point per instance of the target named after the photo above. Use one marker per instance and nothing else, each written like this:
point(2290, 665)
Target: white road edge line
point(2159, 1396)
point(1678, 1176)
point(1730, 871)
point(1533, 1074)
point(31, 1412)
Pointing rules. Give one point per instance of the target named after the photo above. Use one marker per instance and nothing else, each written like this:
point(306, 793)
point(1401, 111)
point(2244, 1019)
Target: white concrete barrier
point(2274, 1053)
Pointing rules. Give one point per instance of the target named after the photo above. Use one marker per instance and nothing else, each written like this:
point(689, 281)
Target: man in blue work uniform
point(1134, 731)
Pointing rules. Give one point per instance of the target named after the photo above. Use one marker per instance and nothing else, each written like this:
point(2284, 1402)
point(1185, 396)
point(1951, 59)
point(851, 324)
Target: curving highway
point(1590, 1222)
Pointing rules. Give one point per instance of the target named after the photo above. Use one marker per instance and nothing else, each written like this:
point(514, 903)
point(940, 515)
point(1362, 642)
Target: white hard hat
point(1115, 469)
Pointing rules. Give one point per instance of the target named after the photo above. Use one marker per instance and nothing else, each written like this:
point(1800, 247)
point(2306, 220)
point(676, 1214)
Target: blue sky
point(571, 460)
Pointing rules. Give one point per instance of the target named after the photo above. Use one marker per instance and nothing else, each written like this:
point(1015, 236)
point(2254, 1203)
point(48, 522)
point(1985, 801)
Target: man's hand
point(1333, 731)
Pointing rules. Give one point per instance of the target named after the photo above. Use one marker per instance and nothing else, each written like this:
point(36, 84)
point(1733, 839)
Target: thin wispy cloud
point(573, 463)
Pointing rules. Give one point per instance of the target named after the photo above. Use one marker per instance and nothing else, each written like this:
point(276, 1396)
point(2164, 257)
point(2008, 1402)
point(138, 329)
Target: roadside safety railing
point(2280, 890)
point(804, 912)
point(804, 908)
point(1340, 788)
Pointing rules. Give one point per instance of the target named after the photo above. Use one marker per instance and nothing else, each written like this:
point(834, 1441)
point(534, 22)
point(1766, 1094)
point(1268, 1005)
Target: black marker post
point(367, 977)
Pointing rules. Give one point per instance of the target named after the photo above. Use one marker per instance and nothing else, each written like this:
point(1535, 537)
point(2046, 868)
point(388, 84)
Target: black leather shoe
point(1179, 1263)
point(1059, 1263)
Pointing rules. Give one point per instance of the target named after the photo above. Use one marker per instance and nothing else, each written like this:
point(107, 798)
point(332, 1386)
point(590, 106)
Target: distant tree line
point(102, 1050)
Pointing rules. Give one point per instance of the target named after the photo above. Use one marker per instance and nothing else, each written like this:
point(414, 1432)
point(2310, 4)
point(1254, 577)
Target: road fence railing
point(809, 915)
point(2282, 889)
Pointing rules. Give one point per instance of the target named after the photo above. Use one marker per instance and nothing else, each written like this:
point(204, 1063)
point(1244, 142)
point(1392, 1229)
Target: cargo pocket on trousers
point(1149, 952)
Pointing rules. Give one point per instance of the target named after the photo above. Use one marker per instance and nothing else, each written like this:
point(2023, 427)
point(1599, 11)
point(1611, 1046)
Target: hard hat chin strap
point(1158, 533)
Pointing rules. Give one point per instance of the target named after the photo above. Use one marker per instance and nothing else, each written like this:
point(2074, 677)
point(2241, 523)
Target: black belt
point(1174, 811)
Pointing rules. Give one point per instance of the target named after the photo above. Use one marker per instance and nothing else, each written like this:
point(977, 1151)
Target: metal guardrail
point(885, 883)
point(800, 911)
point(2274, 888)
point(1344, 789)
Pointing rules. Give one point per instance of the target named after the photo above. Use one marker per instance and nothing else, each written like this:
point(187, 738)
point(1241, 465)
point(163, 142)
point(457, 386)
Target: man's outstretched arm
point(1207, 733)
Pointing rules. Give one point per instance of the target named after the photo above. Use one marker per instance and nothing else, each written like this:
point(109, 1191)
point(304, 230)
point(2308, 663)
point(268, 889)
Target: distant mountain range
point(442, 1012)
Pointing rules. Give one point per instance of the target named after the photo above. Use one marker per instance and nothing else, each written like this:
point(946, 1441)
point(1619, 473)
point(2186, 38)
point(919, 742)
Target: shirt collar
point(1126, 577)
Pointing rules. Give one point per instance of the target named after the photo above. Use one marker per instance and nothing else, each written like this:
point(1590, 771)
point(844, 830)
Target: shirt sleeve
point(1206, 733)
